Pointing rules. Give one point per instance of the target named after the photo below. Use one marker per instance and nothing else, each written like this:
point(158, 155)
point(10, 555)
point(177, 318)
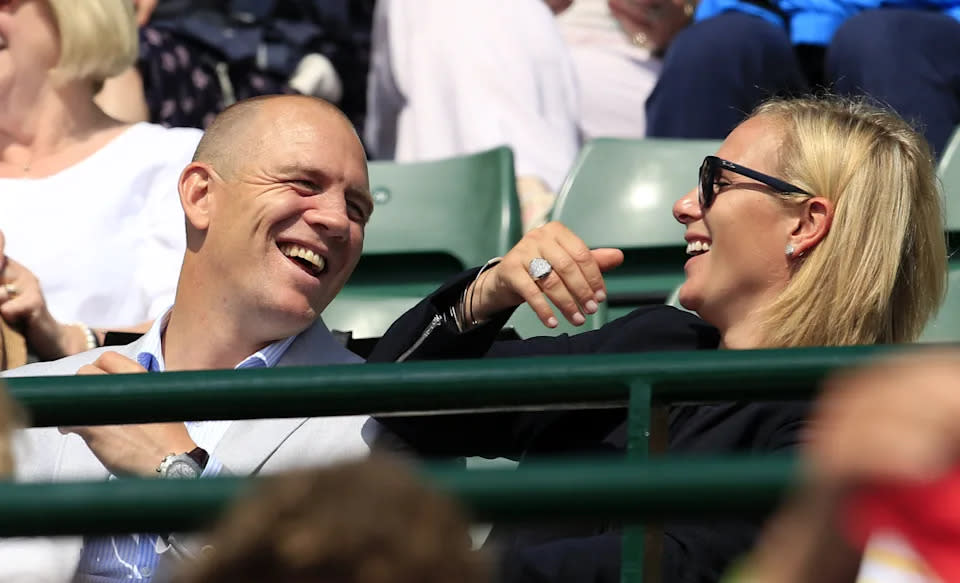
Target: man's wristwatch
point(184, 465)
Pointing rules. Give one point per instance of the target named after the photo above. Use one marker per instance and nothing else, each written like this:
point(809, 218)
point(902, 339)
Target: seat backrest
point(949, 172)
point(945, 327)
point(431, 220)
point(620, 192)
point(465, 208)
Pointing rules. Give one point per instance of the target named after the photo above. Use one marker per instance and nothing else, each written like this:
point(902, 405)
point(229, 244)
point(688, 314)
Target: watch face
point(181, 469)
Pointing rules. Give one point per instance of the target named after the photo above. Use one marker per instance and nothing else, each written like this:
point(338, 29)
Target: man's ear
point(194, 186)
point(813, 224)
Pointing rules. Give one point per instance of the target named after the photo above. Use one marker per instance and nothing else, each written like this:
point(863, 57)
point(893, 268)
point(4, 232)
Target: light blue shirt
point(134, 556)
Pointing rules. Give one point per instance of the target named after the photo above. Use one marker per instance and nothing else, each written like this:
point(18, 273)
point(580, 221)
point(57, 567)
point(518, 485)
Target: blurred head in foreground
point(372, 521)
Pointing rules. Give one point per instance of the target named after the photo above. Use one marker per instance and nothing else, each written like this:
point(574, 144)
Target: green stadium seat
point(431, 221)
point(949, 172)
point(945, 327)
point(620, 193)
point(526, 323)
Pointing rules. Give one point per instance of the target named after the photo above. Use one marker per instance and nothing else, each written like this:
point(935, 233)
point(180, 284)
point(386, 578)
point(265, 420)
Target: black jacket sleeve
point(511, 434)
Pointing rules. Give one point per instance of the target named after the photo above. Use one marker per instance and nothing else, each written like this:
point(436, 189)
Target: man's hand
point(130, 449)
point(652, 23)
point(575, 285)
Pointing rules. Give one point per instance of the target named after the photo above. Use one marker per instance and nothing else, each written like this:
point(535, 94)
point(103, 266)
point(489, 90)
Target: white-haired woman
point(92, 229)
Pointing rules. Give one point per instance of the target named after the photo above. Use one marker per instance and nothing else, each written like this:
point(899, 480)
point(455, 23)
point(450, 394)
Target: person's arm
point(891, 422)
point(127, 450)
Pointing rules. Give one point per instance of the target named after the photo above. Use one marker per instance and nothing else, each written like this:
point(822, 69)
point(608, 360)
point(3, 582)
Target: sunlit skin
point(32, 49)
point(748, 231)
point(301, 181)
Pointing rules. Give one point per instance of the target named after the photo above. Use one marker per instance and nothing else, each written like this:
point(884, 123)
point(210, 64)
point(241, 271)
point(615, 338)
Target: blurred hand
point(892, 420)
point(652, 23)
point(558, 6)
point(575, 285)
point(130, 449)
point(23, 306)
point(144, 10)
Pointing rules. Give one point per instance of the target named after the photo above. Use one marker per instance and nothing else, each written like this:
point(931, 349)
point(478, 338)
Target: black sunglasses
point(710, 173)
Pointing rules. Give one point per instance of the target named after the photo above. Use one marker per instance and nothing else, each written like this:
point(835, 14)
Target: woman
point(818, 222)
point(92, 228)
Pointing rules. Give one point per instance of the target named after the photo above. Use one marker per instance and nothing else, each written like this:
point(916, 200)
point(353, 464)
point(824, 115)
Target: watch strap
point(199, 455)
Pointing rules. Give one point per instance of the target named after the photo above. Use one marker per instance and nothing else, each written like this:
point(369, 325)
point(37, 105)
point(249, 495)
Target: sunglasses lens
point(706, 183)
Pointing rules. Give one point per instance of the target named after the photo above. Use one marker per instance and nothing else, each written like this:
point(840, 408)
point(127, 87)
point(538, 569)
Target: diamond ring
point(539, 268)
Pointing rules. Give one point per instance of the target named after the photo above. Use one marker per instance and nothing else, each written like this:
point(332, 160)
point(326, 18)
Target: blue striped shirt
point(134, 556)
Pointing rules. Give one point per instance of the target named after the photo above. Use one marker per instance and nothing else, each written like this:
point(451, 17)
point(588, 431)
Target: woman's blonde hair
point(880, 273)
point(98, 38)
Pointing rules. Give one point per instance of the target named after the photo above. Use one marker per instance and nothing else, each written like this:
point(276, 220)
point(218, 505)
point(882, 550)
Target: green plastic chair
point(431, 220)
point(620, 193)
point(527, 325)
point(949, 172)
point(945, 327)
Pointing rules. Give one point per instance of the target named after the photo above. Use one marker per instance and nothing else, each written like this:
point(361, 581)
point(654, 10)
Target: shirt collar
point(150, 356)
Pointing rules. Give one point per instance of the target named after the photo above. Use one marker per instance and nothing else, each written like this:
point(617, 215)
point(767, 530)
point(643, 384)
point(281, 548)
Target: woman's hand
point(23, 306)
point(574, 285)
point(652, 23)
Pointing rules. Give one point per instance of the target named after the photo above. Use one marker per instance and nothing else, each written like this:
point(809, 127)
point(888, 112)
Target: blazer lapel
point(249, 443)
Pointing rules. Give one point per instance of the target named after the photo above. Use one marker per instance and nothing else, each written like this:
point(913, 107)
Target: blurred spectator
point(615, 73)
point(451, 77)
point(885, 438)
point(196, 58)
point(362, 522)
point(904, 53)
point(33, 560)
point(92, 231)
point(617, 65)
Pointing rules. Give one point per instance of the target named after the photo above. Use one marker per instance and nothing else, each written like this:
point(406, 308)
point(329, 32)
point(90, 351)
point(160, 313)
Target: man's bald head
point(236, 133)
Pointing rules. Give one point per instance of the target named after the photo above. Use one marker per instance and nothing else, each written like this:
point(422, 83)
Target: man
point(276, 200)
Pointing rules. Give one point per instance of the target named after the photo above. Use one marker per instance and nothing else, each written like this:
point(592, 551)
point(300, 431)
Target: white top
point(452, 77)
point(106, 236)
point(615, 76)
point(590, 14)
point(889, 558)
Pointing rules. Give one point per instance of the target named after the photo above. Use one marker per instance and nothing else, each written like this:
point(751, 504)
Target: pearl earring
point(790, 250)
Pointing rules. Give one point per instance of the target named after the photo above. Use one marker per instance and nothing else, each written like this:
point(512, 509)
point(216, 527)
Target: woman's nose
point(687, 208)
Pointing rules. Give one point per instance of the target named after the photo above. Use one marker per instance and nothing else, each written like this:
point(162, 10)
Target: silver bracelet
point(89, 334)
point(460, 310)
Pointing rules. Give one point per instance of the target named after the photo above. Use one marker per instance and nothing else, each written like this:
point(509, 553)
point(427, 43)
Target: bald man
point(275, 201)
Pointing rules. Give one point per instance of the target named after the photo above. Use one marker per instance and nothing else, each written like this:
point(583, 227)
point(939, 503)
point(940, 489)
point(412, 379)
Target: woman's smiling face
point(738, 244)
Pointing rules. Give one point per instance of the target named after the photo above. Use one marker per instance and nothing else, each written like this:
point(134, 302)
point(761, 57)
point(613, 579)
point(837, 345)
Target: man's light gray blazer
point(248, 447)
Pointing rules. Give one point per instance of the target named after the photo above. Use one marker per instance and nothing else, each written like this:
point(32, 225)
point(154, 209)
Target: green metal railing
point(615, 490)
point(593, 380)
point(643, 383)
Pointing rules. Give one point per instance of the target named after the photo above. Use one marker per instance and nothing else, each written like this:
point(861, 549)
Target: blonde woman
point(817, 223)
point(92, 229)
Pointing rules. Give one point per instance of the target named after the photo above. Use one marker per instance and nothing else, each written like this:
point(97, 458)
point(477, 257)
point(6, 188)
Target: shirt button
point(146, 571)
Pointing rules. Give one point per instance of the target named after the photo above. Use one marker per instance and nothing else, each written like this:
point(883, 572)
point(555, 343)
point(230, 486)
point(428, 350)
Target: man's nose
point(687, 208)
point(329, 215)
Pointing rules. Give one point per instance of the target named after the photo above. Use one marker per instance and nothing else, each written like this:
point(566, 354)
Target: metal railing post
point(639, 428)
